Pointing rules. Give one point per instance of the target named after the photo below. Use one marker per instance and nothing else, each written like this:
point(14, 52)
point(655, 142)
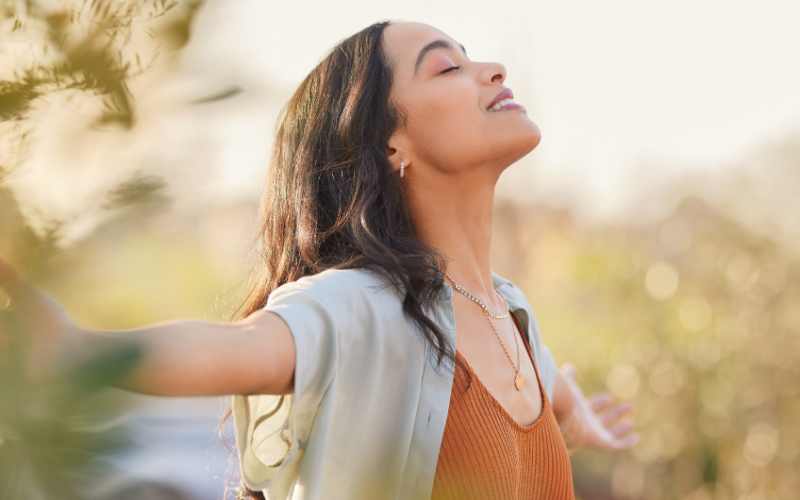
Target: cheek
point(452, 133)
point(447, 125)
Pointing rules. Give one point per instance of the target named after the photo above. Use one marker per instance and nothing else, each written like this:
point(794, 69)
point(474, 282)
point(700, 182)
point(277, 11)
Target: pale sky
point(624, 91)
point(627, 93)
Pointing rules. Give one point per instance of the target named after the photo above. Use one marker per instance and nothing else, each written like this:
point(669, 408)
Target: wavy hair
point(332, 199)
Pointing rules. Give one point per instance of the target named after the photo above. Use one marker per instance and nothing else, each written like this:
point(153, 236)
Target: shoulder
point(342, 281)
point(510, 290)
point(337, 287)
point(517, 302)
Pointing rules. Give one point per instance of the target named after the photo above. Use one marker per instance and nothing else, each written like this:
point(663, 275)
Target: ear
point(395, 151)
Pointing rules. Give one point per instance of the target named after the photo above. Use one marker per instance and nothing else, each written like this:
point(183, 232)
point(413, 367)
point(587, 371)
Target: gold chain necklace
point(519, 381)
point(482, 303)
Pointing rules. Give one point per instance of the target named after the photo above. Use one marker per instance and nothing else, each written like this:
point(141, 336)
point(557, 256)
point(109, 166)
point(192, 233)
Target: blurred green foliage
point(693, 317)
point(51, 435)
point(84, 47)
point(83, 57)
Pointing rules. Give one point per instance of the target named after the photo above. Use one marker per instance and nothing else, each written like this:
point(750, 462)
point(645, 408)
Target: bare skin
point(454, 150)
point(181, 358)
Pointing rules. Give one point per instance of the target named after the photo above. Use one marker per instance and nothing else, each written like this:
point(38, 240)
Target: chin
point(526, 138)
point(535, 135)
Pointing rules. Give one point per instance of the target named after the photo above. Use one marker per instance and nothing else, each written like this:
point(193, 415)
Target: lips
point(502, 96)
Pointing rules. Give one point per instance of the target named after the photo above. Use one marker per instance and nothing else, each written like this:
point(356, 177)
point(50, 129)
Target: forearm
point(180, 358)
point(172, 355)
point(569, 411)
point(563, 401)
point(203, 358)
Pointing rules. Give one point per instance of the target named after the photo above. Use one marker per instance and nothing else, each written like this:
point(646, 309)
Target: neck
point(453, 214)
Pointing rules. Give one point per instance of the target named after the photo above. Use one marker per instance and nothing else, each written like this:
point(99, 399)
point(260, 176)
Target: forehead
point(403, 41)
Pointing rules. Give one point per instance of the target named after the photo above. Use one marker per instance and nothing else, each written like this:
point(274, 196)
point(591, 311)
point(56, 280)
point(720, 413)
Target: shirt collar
point(503, 286)
point(507, 289)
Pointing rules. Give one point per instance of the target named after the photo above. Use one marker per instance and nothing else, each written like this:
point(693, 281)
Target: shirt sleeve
point(547, 364)
point(549, 370)
point(271, 431)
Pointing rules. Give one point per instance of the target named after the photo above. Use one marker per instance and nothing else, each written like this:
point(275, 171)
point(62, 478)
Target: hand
point(604, 424)
point(47, 333)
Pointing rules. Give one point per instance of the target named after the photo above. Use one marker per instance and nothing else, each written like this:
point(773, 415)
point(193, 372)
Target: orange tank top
point(487, 455)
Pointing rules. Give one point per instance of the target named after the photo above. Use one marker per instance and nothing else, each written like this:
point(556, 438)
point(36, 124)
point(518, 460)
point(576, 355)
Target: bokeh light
point(132, 202)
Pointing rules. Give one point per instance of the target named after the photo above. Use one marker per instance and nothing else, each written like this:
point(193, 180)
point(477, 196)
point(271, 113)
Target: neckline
point(516, 425)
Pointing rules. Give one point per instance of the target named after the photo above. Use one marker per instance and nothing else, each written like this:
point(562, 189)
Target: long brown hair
point(333, 200)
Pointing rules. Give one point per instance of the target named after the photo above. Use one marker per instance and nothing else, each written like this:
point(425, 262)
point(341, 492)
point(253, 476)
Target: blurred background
point(655, 230)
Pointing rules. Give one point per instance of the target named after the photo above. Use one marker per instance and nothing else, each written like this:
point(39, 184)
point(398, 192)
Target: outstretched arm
point(180, 358)
point(596, 422)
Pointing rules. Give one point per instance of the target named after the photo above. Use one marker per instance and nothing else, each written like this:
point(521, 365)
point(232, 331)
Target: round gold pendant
point(519, 382)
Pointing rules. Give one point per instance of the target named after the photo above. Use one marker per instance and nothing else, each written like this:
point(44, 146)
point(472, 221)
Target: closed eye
point(451, 69)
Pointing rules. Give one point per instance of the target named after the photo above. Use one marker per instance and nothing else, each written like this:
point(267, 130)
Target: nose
point(494, 73)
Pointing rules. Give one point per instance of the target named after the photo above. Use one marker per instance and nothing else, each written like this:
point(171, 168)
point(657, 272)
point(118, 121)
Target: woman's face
point(452, 120)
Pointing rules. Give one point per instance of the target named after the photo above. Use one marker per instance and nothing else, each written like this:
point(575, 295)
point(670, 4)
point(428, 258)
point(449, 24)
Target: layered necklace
point(519, 382)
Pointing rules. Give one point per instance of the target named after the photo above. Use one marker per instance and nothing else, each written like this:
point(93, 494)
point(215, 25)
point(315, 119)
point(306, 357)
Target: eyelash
point(451, 69)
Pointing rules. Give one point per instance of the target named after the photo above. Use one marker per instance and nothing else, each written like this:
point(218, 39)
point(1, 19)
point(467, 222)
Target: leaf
point(140, 191)
point(15, 99)
point(218, 96)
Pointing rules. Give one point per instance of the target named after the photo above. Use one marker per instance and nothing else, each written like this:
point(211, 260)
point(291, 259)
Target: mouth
point(504, 101)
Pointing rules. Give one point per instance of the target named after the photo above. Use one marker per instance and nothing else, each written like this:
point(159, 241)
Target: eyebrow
point(436, 44)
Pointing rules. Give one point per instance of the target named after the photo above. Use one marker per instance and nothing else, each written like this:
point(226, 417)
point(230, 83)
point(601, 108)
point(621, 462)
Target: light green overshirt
point(369, 407)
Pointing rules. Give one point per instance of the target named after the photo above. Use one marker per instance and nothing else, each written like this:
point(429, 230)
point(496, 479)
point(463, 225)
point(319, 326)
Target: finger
point(599, 401)
point(622, 428)
point(615, 412)
point(626, 442)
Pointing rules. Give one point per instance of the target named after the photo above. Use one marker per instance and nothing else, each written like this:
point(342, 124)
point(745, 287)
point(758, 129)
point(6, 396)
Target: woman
point(349, 377)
